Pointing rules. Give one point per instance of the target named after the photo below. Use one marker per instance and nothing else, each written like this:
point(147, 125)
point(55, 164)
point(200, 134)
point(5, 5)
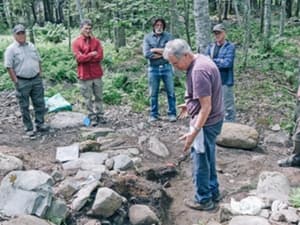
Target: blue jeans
point(228, 98)
point(204, 166)
point(164, 73)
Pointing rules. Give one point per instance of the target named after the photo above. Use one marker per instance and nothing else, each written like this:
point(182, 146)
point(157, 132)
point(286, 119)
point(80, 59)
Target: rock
point(278, 205)
point(142, 215)
point(276, 127)
point(264, 213)
point(248, 206)
point(58, 211)
point(273, 186)
point(9, 163)
point(279, 139)
point(107, 201)
point(137, 161)
point(109, 163)
point(122, 162)
point(236, 135)
point(225, 213)
point(213, 223)
point(27, 220)
point(62, 120)
point(157, 147)
point(248, 220)
point(26, 192)
point(67, 153)
point(67, 188)
point(90, 146)
point(57, 176)
point(93, 222)
point(83, 195)
point(93, 157)
point(133, 151)
point(94, 133)
point(83, 175)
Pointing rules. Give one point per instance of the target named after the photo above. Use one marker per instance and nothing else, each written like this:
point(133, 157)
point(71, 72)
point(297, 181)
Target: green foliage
point(294, 197)
point(58, 63)
point(55, 33)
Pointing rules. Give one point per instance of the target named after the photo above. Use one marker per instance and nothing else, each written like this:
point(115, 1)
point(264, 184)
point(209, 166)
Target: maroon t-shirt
point(203, 79)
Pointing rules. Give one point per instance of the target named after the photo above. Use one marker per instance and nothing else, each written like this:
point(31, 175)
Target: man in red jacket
point(88, 52)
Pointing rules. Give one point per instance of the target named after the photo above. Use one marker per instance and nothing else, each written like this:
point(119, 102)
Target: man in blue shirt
point(159, 69)
point(223, 52)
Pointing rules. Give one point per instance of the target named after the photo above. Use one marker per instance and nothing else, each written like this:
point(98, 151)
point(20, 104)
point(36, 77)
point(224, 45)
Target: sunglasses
point(217, 32)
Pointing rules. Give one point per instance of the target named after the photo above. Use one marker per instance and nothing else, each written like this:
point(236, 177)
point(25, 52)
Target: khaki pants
point(91, 90)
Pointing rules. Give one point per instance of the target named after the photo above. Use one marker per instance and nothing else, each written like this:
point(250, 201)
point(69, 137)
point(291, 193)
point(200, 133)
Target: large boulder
point(26, 192)
point(27, 220)
point(9, 163)
point(237, 135)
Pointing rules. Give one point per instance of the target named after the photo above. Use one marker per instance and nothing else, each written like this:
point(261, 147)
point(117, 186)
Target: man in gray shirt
point(23, 64)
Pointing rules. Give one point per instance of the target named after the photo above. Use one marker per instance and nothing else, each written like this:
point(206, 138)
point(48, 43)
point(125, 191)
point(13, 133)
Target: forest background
point(266, 34)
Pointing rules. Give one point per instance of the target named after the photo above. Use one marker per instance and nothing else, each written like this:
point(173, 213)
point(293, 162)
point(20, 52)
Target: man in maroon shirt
point(204, 103)
point(88, 52)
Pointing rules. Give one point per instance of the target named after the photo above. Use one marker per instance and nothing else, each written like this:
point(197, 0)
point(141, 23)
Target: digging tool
point(183, 157)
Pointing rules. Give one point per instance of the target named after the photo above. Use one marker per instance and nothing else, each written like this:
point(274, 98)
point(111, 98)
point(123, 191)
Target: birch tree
point(202, 24)
point(247, 34)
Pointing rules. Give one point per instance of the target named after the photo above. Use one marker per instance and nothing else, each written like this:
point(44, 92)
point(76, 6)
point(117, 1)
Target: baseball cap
point(219, 27)
point(18, 28)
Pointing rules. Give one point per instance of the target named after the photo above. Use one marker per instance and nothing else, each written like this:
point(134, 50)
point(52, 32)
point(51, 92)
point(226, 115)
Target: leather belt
point(28, 78)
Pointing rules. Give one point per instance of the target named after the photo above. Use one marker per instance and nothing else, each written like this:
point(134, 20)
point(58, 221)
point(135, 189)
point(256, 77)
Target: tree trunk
point(220, 10)
point(79, 9)
point(267, 25)
point(297, 9)
point(236, 9)
point(289, 4)
point(28, 8)
point(33, 13)
point(282, 17)
point(247, 35)
point(174, 19)
point(202, 24)
point(186, 6)
point(226, 9)
point(119, 31)
point(262, 3)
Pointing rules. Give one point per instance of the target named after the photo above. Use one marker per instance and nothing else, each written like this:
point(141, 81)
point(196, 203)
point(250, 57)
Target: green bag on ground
point(57, 103)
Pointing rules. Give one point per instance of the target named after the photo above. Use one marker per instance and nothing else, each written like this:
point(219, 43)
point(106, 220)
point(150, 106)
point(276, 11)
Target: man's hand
point(93, 53)
point(157, 50)
point(189, 139)
point(156, 56)
point(183, 111)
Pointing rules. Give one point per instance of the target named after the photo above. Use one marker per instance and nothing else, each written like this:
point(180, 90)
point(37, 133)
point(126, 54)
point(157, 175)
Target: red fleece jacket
point(88, 66)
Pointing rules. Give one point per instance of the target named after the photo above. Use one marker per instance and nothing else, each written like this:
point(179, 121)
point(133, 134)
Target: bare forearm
point(12, 75)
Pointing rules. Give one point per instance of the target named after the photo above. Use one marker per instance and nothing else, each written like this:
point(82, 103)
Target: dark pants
point(31, 89)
